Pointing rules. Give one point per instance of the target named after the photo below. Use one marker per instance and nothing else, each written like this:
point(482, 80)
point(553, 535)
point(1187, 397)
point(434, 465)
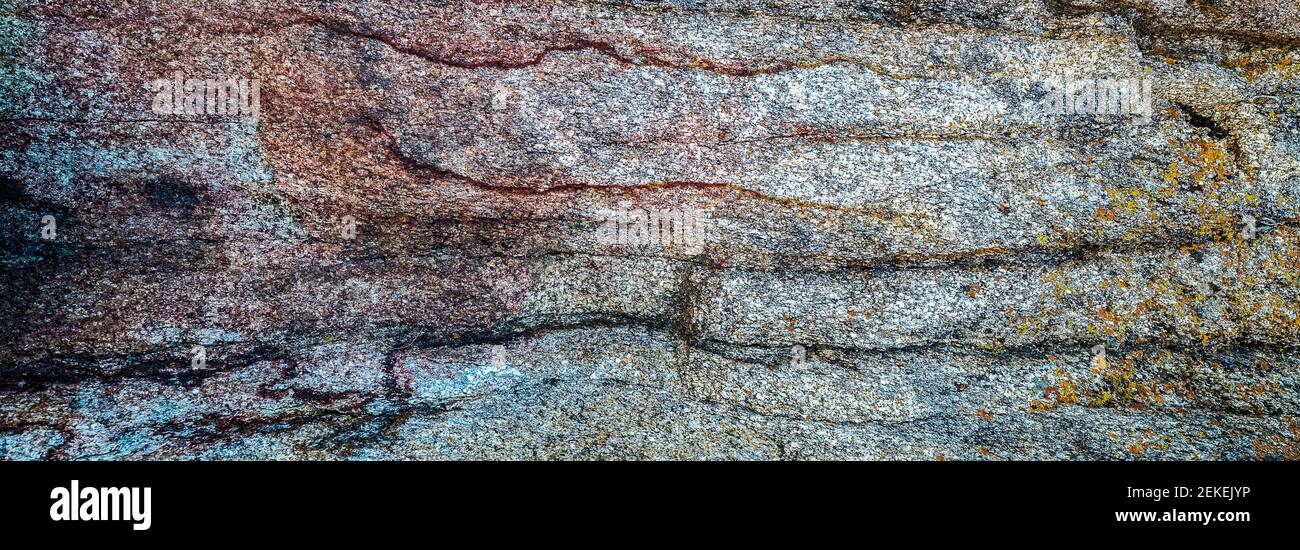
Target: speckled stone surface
point(904, 256)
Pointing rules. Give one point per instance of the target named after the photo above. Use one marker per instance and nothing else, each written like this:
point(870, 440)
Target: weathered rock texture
point(883, 187)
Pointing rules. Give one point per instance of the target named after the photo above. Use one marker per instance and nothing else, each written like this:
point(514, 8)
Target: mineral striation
point(394, 254)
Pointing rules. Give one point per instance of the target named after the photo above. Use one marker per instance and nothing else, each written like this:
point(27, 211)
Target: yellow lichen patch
point(1266, 63)
point(1147, 441)
point(1062, 390)
point(1067, 393)
point(1172, 174)
point(1058, 281)
point(993, 346)
point(1112, 323)
point(1280, 445)
point(1128, 200)
point(1116, 381)
point(1211, 160)
point(1030, 325)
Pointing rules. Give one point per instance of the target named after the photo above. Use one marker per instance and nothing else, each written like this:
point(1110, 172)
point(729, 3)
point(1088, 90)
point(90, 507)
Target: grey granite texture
point(906, 255)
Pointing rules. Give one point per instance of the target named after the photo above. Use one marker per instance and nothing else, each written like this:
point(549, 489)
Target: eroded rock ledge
point(399, 257)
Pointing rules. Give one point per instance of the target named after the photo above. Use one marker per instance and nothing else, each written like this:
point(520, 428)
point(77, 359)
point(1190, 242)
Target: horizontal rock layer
point(905, 255)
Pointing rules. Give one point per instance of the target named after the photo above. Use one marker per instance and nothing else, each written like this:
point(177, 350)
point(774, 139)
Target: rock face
point(925, 229)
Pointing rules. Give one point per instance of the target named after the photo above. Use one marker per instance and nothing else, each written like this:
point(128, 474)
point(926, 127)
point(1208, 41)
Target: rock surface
point(905, 257)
